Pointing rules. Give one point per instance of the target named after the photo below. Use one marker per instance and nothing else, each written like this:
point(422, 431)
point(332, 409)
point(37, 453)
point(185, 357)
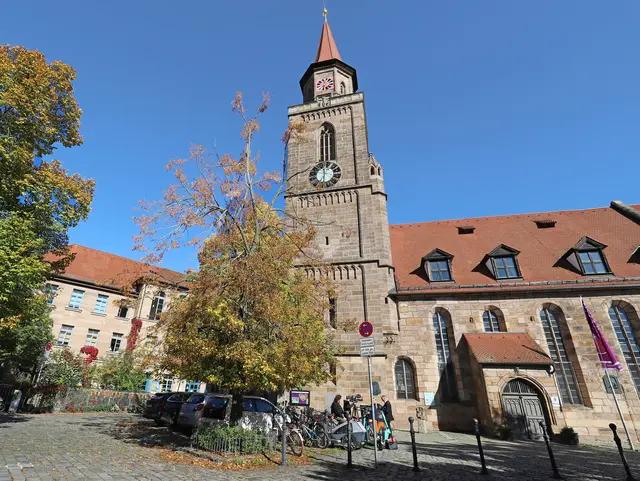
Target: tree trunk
point(237, 404)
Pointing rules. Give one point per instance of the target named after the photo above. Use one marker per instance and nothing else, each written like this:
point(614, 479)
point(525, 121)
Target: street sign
point(366, 329)
point(367, 347)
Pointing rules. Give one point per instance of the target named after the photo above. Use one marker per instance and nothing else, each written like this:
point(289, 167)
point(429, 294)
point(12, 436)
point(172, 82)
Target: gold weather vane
point(324, 11)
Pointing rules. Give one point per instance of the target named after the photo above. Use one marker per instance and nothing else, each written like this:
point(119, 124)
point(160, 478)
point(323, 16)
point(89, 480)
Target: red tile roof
point(540, 254)
point(101, 268)
point(327, 50)
point(506, 348)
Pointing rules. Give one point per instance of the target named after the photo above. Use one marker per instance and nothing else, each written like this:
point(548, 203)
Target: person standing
point(387, 410)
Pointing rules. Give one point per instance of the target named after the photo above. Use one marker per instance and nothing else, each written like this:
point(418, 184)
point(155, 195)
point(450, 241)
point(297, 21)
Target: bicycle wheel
point(295, 442)
point(322, 440)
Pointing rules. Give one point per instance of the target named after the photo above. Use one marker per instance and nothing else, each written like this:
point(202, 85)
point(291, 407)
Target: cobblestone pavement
point(117, 447)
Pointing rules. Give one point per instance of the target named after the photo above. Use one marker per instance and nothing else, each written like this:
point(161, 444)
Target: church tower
point(337, 183)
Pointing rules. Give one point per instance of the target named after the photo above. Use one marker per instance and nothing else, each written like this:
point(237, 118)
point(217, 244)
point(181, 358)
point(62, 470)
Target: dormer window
point(502, 262)
point(588, 257)
point(437, 265)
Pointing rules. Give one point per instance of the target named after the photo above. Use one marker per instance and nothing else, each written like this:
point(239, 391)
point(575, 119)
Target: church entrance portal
point(523, 409)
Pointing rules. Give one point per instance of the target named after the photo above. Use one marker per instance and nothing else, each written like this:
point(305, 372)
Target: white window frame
point(78, 304)
point(126, 316)
point(92, 337)
point(66, 331)
point(116, 336)
point(101, 303)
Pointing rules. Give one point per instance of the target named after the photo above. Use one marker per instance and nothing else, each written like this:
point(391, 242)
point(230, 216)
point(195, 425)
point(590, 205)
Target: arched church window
point(327, 143)
point(564, 372)
point(405, 385)
point(343, 88)
point(373, 170)
point(627, 339)
point(491, 321)
point(449, 391)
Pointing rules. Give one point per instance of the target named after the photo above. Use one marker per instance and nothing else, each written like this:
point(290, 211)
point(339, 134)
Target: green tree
point(123, 372)
point(64, 368)
point(39, 199)
point(252, 321)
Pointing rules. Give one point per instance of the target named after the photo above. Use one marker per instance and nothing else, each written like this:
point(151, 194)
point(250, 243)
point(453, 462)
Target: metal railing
point(249, 442)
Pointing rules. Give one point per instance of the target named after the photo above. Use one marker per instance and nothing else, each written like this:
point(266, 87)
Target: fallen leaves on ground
point(234, 463)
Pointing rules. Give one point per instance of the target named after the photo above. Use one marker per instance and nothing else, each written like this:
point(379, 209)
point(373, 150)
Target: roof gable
point(506, 348)
point(437, 254)
point(503, 250)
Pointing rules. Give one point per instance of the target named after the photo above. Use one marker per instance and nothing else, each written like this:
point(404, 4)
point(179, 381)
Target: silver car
point(215, 409)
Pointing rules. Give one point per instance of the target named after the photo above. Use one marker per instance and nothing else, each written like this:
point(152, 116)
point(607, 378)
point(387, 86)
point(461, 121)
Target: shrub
point(503, 431)
point(567, 435)
point(225, 439)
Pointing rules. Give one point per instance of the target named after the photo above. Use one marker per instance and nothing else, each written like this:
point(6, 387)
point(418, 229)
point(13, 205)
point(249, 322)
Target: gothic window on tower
point(343, 88)
point(327, 143)
point(333, 313)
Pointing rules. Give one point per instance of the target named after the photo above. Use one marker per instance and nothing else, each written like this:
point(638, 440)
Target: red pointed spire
point(327, 50)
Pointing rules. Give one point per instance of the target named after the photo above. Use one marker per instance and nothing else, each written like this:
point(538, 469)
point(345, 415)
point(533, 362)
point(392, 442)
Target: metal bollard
point(482, 461)
point(349, 459)
point(413, 445)
point(616, 438)
point(552, 458)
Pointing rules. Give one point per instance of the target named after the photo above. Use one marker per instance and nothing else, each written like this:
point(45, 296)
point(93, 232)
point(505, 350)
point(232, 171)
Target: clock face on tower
point(325, 174)
point(324, 84)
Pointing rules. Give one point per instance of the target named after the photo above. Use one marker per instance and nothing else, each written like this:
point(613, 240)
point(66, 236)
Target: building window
point(116, 342)
point(327, 143)
point(343, 88)
point(491, 321)
point(156, 306)
point(333, 312)
point(64, 338)
point(437, 265)
point(405, 386)
point(445, 363)
point(92, 337)
point(439, 271)
point(51, 290)
point(592, 262)
point(192, 386)
point(567, 383)
point(505, 267)
point(166, 385)
point(76, 299)
point(627, 340)
point(101, 304)
point(123, 312)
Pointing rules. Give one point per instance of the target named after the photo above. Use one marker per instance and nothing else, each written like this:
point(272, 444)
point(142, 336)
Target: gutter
point(626, 210)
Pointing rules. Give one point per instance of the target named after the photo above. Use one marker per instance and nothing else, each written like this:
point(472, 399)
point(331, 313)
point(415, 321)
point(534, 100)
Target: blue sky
point(474, 108)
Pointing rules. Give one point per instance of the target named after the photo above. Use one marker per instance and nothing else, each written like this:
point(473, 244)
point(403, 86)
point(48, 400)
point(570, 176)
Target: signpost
point(368, 349)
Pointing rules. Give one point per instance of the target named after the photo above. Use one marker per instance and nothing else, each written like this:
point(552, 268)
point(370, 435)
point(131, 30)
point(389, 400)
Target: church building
point(473, 318)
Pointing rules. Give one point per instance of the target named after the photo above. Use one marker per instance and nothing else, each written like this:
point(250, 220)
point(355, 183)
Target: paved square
point(117, 447)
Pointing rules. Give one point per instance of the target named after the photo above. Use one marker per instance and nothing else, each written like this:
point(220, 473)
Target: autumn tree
point(251, 321)
point(39, 199)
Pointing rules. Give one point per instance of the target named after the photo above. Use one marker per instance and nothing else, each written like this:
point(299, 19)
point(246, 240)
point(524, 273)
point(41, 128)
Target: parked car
point(164, 407)
point(211, 409)
point(155, 405)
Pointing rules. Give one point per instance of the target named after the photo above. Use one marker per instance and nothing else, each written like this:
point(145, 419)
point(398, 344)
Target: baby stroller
point(382, 428)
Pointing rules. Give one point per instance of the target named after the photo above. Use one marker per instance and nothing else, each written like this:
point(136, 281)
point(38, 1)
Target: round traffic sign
point(366, 329)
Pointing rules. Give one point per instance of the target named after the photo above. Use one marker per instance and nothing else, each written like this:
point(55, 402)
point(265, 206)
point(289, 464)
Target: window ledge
point(510, 279)
point(598, 274)
point(113, 352)
point(452, 281)
point(94, 313)
point(59, 346)
point(68, 308)
point(122, 318)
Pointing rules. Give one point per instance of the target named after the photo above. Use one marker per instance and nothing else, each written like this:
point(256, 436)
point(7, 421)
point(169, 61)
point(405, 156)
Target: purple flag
point(608, 359)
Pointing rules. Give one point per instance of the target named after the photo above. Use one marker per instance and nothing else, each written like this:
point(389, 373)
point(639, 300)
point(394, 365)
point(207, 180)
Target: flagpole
point(615, 398)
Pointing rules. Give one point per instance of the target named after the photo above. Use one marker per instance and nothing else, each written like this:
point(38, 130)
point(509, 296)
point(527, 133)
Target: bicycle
point(295, 441)
point(313, 432)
